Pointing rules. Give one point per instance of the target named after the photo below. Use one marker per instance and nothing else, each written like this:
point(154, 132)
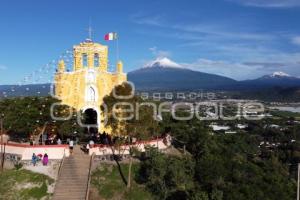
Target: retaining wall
point(55, 152)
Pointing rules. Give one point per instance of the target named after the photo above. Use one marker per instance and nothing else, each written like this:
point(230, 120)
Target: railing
point(61, 163)
point(2, 157)
point(59, 169)
point(89, 178)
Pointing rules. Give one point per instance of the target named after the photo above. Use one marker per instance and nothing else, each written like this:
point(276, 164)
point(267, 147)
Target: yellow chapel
point(84, 87)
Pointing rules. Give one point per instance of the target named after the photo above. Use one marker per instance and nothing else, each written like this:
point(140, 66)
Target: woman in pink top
point(45, 159)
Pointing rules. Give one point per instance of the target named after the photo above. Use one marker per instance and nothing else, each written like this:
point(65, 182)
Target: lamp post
point(298, 181)
point(159, 119)
point(1, 141)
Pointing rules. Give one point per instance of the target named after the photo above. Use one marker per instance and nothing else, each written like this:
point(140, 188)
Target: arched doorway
point(91, 121)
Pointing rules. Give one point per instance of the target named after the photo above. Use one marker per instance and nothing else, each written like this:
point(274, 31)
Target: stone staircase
point(73, 177)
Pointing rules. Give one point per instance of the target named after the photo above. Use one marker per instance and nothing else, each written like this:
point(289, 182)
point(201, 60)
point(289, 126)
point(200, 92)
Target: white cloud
point(246, 70)
point(241, 54)
point(159, 53)
point(140, 18)
point(269, 3)
point(223, 38)
point(296, 40)
point(3, 67)
point(238, 71)
point(221, 31)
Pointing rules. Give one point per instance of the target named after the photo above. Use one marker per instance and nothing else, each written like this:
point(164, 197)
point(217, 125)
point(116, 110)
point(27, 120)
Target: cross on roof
point(90, 30)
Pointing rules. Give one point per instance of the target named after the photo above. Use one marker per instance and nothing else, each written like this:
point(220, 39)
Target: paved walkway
point(73, 178)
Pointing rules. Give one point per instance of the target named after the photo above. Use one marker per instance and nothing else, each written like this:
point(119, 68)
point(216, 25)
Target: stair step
point(73, 171)
point(68, 198)
point(73, 186)
point(75, 167)
point(70, 195)
point(63, 183)
point(74, 176)
point(72, 191)
point(77, 188)
point(67, 184)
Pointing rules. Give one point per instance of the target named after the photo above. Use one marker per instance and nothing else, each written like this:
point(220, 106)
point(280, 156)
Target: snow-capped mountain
point(276, 79)
point(164, 74)
point(280, 74)
point(162, 62)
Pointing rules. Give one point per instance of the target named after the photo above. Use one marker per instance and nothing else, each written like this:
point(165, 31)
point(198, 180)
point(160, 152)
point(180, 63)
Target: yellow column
point(61, 66)
point(90, 60)
point(103, 60)
point(119, 67)
point(77, 61)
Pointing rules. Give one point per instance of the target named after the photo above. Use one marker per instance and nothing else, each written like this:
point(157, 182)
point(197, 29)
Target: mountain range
point(165, 75)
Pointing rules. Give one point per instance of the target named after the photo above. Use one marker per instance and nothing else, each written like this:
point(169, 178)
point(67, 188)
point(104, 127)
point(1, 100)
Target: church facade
point(84, 87)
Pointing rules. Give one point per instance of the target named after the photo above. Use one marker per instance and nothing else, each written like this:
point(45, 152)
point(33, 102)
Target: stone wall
point(102, 150)
point(25, 151)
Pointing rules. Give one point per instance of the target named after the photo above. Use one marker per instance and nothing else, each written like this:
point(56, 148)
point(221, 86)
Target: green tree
point(22, 116)
point(122, 125)
point(168, 177)
point(233, 167)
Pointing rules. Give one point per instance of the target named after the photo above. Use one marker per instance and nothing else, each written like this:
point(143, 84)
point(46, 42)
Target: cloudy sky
point(241, 39)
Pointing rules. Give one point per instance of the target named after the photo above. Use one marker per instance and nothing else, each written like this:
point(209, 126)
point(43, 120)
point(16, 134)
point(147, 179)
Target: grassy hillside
point(23, 184)
point(107, 184)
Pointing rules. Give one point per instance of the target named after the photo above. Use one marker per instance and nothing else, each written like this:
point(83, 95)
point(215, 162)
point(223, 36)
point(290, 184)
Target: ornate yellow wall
point(89, 82)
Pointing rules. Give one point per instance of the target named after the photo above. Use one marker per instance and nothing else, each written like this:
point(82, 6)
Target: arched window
point(91, 94)
point(84, 60)
point(96, 60)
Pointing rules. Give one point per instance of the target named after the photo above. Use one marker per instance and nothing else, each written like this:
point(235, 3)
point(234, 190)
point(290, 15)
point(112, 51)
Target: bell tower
point(90, 55)
point(84, 87)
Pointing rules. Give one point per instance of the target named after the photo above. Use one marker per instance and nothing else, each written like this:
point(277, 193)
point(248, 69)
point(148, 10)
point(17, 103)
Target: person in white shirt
point(58, 141)
point(71, 146)
point(87, 148)
point(91, 143)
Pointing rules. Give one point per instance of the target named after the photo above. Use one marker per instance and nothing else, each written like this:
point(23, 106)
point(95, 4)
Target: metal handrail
point(59, 169)
point(89, 178)
point(61, 163)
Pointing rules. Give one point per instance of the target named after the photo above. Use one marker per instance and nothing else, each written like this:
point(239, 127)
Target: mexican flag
point(111, 36)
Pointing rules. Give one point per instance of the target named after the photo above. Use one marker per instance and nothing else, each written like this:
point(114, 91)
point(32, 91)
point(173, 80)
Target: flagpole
point(117, 48)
